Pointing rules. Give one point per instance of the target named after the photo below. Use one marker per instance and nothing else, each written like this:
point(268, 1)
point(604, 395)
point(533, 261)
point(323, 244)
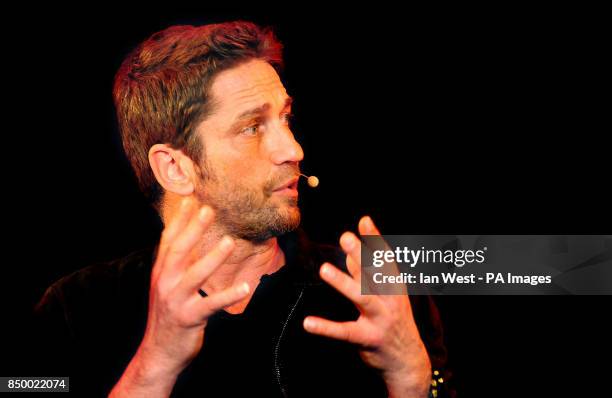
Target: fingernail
point(204, 213)
point(226, 242)
point(326, 270)
point(348, 240)
point(185, 204)
point(309, 323)
point(368, 222)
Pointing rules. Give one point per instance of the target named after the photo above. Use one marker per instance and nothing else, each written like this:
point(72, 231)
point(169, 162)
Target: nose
point(286, 148)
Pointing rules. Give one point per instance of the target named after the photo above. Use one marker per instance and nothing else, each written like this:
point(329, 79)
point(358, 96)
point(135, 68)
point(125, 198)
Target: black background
point(445, 120)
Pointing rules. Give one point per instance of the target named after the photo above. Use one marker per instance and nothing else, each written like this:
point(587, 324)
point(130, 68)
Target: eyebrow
point(262, 109)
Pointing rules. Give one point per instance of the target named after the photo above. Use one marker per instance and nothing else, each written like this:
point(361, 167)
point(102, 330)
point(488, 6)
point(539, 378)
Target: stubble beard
point(249, 213)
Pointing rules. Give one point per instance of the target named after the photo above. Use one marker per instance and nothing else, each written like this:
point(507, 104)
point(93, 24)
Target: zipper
point(277, 348)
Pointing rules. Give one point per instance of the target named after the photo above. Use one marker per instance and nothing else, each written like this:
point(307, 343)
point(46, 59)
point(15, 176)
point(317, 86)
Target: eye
point(251, 130)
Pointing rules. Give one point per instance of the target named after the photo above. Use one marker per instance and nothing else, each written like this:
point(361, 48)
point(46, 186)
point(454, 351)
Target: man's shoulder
point(135, 264)
point(103, 280)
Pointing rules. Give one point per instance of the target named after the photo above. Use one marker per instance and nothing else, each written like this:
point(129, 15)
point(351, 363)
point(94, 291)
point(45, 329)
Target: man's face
point(251, 160)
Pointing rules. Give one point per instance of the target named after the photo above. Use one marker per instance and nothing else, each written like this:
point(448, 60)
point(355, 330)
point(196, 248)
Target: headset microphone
point(313, 181)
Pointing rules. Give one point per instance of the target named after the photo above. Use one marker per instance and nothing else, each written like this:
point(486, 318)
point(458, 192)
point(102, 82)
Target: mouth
point(289, 187)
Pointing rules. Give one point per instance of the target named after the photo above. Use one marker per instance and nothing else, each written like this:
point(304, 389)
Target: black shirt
point(91, 323)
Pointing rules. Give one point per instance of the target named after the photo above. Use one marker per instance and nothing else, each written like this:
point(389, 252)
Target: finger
point(351, 245)
point(349, 287)
point(346, 331)
point(201, 308)
point(354, 268)
point(184, 242)
point(178, 223)
point(172, 229)
point(169, 233)
point(367, 227)
point(197, 273)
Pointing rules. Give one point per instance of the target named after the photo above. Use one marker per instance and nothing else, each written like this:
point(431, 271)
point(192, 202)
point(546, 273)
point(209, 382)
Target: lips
point(291, 184)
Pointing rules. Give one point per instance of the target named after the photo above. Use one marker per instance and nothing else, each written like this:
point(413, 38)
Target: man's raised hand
point(177, 313)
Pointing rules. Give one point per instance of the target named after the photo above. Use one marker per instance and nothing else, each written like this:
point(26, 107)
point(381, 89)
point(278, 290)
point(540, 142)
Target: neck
point(247, 262)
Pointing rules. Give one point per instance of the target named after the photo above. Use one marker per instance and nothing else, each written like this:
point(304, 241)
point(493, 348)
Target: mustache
point(287, 173)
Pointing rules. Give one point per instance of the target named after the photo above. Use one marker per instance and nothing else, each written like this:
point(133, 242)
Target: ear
point(173, 169)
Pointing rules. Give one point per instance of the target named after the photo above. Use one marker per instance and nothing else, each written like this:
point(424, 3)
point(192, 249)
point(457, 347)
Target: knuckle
point(156, 289)
point(386, 323)
point(167, 305)
point(366, 300)
point(166, 236)
point(349, 334)
point(162, 287)
point(183, 318)
point(175, 248)
point(376, 338)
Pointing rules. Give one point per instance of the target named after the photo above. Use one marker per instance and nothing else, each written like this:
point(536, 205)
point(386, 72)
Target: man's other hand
point(385, 330)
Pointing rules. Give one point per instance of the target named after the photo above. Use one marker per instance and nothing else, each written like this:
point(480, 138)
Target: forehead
point(252, 83)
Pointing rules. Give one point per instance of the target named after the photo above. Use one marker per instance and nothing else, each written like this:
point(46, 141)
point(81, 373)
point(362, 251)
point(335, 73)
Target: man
point(234, 300)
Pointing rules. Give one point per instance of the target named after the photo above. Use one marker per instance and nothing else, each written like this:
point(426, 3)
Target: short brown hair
point(161, 91)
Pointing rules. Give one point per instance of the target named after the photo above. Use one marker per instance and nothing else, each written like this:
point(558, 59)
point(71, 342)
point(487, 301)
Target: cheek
point(238, 165)
point(242, 173)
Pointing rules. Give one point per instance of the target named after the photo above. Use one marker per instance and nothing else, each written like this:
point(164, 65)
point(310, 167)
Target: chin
point(283, 220)
point(288, 220)
point(291, 217)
